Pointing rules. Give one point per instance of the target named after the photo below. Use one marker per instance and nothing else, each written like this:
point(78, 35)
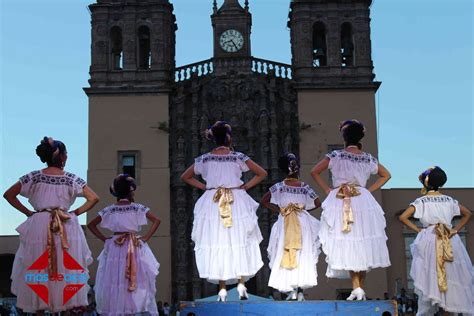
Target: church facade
point(146, 116)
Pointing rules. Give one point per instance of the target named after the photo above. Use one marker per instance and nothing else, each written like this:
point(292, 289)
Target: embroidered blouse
point(221, 170)
point(283, 194)
point(124, 218)
point(434, 209)
point(46, 191)
point(352, 168)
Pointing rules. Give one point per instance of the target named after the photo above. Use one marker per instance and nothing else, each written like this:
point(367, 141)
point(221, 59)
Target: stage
point(283, 308)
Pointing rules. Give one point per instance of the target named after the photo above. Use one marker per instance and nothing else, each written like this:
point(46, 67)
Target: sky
point(422, 52)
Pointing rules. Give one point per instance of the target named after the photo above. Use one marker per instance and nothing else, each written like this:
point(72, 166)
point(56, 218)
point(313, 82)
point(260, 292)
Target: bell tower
point(131, 78)
point(133, 44)
point(232, 26)
point(330, 42)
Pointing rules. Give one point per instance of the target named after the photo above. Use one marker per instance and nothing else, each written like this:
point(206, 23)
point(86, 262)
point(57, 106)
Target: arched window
point(144, 48)
point(116, 48)
point(319, 45)
point(347, 45)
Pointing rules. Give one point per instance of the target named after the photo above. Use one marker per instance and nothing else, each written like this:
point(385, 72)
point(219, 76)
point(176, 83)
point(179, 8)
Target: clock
point(231, 41)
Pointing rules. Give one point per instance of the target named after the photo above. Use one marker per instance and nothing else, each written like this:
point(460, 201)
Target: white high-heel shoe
point(360, 294)
point(242, 292)
point(352, 297)
point(222, 295)
point(300, 297)
point(292, 296)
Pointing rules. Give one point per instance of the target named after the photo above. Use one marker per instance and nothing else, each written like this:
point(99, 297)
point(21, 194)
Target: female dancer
point(352, 222)
point(441, 268)
point(293, 249)
point(50, 227)
point(225, 229)
point(125, 281)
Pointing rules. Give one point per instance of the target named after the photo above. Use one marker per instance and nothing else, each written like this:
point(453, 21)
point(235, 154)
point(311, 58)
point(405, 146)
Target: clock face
point(231, 41)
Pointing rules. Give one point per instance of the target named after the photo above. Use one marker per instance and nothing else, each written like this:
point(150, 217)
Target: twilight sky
point(422, 52)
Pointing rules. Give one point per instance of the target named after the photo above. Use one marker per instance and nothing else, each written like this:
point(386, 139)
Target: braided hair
point(352, 132)
point(123, 186)
point(220, 132)
point(432, 179)
point(51, 152)
point(289, 164)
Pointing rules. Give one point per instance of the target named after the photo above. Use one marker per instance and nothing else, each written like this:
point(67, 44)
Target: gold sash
point(131, 267)
point(292, 241)
point(444, 253)
point(345, 193)
point(58, 216)
point(225, 198)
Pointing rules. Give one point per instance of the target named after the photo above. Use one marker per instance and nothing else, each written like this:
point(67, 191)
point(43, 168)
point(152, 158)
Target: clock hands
point(233, 43)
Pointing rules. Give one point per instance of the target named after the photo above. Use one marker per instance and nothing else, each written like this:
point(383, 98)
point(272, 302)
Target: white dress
point(49, 192)
point(305, 275)
point(111, 288)
point(365, 246)
point(222, 253)
point(431, 210)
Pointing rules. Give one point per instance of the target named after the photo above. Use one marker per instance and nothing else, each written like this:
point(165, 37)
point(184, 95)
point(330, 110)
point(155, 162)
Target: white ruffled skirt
point(305, 275)
point(111, 288)
point(227, 254)
point(33, 243)
point(364, 247)
point(460, 276)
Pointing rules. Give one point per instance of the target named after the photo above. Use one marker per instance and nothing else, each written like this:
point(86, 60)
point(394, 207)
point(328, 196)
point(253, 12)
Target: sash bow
point(131, 267)
point(225, 198)
point(345, 193)
point(55, 226)
point(292, 242)
point(444, 253)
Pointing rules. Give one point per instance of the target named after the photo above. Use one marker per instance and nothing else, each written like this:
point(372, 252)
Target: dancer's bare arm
point(155, 223)
point(405, 219)
point(384, 176)
point(317, 203)
point(91, 199)
point(259, 172)
point(465, 216)
point(11, 195)
point(316, 174)
point(266, 203)
point(189, 177)
point(93, 228)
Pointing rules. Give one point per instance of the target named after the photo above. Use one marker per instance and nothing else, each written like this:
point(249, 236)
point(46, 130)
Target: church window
point(116, 48)
point(144, 47)
point(347, 45)
point(319, 45)
point(128, 163)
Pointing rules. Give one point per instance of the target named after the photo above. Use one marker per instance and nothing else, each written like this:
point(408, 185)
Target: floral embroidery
point(342, 154)
point(281, 187)
point(37, 177)
point(312, 194)
point(442, 198)
point(135, 208)
point(274, 188)
point(232, 157)
point(80, 182)
point(242, 157)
